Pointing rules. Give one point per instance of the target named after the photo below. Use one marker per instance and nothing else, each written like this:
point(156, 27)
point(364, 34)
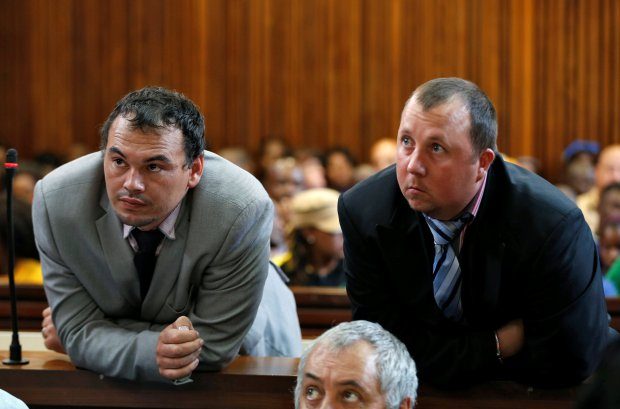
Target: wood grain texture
point(316, 72)
point(51, 381)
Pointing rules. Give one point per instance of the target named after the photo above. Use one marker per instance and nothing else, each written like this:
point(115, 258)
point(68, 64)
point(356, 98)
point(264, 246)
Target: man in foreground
point(356, 364)
point(483, 269)
point(154, 251)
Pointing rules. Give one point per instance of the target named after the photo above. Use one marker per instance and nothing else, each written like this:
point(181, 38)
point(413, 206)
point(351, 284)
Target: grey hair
point(482, 115)
point(395, 367)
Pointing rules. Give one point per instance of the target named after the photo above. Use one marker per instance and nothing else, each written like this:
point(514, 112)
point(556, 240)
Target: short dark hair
point(482, 116)
point(153, 108)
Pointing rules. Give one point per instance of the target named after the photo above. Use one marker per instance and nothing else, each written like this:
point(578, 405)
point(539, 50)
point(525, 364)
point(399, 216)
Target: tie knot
point(147, 240)
point(445, 231)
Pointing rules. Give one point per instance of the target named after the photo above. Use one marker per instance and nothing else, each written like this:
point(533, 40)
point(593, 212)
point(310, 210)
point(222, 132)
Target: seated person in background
point(609, 250)
point(607, 171)
point(240, 157)
point(282, 180)
point(275, 330)
point(271, 149)
point(339, 169)
point(609, 202)
point(27, 269)
point(151, 269)
point(383, 153)
point(579, 159)
point(315, 240)
point(356, 364)
point(579, 178)
point(27, 175)
point(310, 162)
point(483, 269)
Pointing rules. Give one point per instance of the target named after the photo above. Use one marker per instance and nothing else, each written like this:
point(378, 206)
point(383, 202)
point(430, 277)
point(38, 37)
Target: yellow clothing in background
point(28, 271)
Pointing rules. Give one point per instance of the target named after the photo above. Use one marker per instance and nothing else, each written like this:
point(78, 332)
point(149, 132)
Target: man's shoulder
point(86, 170)
point(380, 183)
point(534, 198)
point(225, 184)
point(375, 198)
point(534, 191)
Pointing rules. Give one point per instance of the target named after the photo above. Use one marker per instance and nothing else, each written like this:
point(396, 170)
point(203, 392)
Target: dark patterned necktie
point(145, 257)
point(446, 269)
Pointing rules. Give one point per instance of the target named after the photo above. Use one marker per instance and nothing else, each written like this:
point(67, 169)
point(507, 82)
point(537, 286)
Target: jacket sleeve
point(564, 313)
point(443, 357)
point(231, 287)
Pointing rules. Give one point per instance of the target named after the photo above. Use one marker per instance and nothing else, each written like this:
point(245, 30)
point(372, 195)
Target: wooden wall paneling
point(552, 98)
point(520, 82)
point(614, 68)
point(212, 66)
point(344, 62)
point(380, 48)
point(276, 67)
point(311, 39)
point(293, 124)
point(318, 73)
point(15, 86)
point(88, 81)
point(237, 75)
point(37, 71)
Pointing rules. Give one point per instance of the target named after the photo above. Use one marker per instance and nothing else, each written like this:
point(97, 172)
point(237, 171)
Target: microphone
point(16, 349)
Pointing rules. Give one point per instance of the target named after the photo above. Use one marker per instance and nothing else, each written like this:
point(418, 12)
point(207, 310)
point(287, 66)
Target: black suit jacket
point(528, 254)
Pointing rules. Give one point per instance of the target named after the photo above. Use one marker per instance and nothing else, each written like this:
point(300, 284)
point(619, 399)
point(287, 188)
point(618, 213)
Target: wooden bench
point(51, 381)
point(31, 301)
point(318, 308)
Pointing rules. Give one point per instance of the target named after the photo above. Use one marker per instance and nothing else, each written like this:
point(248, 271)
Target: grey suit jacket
point(213, 272)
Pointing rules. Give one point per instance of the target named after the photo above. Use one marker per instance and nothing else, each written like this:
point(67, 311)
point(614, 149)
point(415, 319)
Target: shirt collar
point(166, 227)
point(474, 205)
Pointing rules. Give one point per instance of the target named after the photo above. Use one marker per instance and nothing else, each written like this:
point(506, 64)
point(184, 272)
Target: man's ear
point(406, 403)
point(196, 171)
point(485, 159)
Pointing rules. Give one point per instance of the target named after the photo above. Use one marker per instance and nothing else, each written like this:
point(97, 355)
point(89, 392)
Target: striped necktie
point(446, 269)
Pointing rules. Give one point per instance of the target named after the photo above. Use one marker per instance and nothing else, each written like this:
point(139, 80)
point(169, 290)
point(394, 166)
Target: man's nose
point(416, 165)
point(133, 181)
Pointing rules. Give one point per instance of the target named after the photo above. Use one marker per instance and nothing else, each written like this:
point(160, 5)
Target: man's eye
point(118, 161)
point(350, 396)
point(153, 168)
point(437, 148)
point(312, 393)
point(406, 140)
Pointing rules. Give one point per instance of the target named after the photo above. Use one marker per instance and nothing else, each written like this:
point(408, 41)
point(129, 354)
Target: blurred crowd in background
point(304, 185)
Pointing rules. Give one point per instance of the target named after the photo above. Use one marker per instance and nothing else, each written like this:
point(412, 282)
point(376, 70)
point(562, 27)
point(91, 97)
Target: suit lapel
point(402, 243)
point(483, 250)
point(118, 253)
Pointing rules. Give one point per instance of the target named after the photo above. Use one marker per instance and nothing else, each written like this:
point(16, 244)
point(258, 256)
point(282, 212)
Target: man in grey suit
point(193, 297)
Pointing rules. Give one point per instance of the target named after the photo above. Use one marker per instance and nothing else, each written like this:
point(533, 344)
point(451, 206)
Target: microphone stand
point(15, 349)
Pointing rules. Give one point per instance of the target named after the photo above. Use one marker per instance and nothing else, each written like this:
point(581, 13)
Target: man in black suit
point(483, 269)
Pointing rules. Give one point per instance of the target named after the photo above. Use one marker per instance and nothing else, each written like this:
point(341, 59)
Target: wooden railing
point(51, 381)
point(318, 308)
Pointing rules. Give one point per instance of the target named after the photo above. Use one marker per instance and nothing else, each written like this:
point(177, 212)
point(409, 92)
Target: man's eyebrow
point(312, 376)
point(159, 158)
point(114, 149)
point(351, 382)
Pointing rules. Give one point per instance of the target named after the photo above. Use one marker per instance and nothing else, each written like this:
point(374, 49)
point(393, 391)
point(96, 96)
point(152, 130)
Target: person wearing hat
point(316, 240)
point(607, 171)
